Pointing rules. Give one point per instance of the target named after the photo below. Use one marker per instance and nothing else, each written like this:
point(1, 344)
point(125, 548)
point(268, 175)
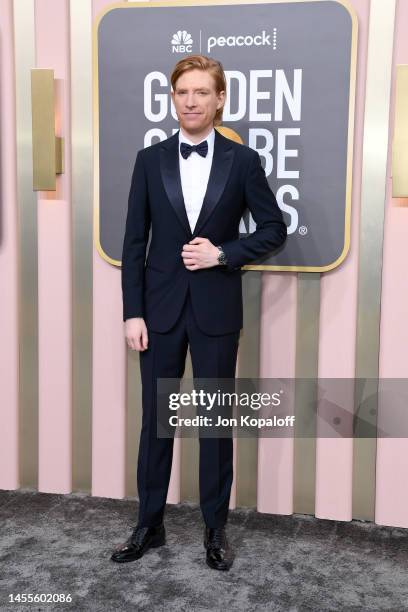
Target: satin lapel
point(170, 171)
point(220, 169)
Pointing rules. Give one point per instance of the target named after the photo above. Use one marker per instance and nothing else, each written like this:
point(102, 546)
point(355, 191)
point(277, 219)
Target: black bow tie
point(186, 149)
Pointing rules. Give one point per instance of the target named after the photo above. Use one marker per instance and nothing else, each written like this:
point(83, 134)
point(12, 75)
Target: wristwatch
point(222, 258)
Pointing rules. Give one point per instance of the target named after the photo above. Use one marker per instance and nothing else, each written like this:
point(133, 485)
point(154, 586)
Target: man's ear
point(221, 99)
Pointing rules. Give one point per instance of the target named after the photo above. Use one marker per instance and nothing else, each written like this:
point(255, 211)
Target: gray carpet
point(62, 544)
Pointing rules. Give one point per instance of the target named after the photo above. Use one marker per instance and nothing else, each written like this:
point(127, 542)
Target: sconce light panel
point(47, 147)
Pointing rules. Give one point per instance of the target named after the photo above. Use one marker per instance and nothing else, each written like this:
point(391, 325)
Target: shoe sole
point(156, 544)
point(220, 569)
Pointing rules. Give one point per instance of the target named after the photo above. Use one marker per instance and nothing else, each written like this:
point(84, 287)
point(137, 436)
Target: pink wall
point(337, 334)
point(9, 352)
point(278, 348)
point(338, 311)
point(55, 268)
point(392, 455)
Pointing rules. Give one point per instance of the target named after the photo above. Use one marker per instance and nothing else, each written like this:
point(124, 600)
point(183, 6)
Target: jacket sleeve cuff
point(132, 302)
point(233, 262)
point(137, 315)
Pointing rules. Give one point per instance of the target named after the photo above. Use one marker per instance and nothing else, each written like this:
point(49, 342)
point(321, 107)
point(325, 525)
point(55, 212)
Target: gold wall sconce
point(400, 140)
point(47, 147)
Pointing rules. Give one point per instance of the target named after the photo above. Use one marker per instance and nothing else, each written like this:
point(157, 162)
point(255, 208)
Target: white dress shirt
point(194, 174)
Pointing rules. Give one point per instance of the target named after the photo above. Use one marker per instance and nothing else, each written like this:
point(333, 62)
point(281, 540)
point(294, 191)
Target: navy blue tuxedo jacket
point(155, 287)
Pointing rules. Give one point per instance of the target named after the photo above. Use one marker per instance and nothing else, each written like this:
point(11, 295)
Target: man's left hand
point(200, 253)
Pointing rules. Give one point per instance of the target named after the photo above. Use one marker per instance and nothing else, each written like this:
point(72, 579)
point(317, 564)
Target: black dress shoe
point(219, 555)
point(142, 539)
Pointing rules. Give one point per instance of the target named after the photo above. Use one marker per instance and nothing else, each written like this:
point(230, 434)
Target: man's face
point(196, 101)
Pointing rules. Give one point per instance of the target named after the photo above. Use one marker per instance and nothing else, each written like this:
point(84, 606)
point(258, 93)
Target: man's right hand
point(136, 334)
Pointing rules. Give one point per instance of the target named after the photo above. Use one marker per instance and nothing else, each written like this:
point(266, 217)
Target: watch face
point(222, 259)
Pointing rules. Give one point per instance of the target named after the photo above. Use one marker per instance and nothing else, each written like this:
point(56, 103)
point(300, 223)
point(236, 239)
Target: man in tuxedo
point(190, 192)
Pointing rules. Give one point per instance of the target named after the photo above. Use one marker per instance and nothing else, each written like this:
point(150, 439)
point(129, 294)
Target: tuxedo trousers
point(211, 357)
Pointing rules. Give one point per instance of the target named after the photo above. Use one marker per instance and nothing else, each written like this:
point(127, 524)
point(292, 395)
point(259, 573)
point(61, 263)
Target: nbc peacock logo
point(181, 42)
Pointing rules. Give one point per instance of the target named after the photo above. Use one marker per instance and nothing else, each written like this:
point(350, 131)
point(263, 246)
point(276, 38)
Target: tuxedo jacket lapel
point(170, 171)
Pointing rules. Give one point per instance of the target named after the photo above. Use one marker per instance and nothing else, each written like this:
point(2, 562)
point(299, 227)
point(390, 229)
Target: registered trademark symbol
point(303, 230)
